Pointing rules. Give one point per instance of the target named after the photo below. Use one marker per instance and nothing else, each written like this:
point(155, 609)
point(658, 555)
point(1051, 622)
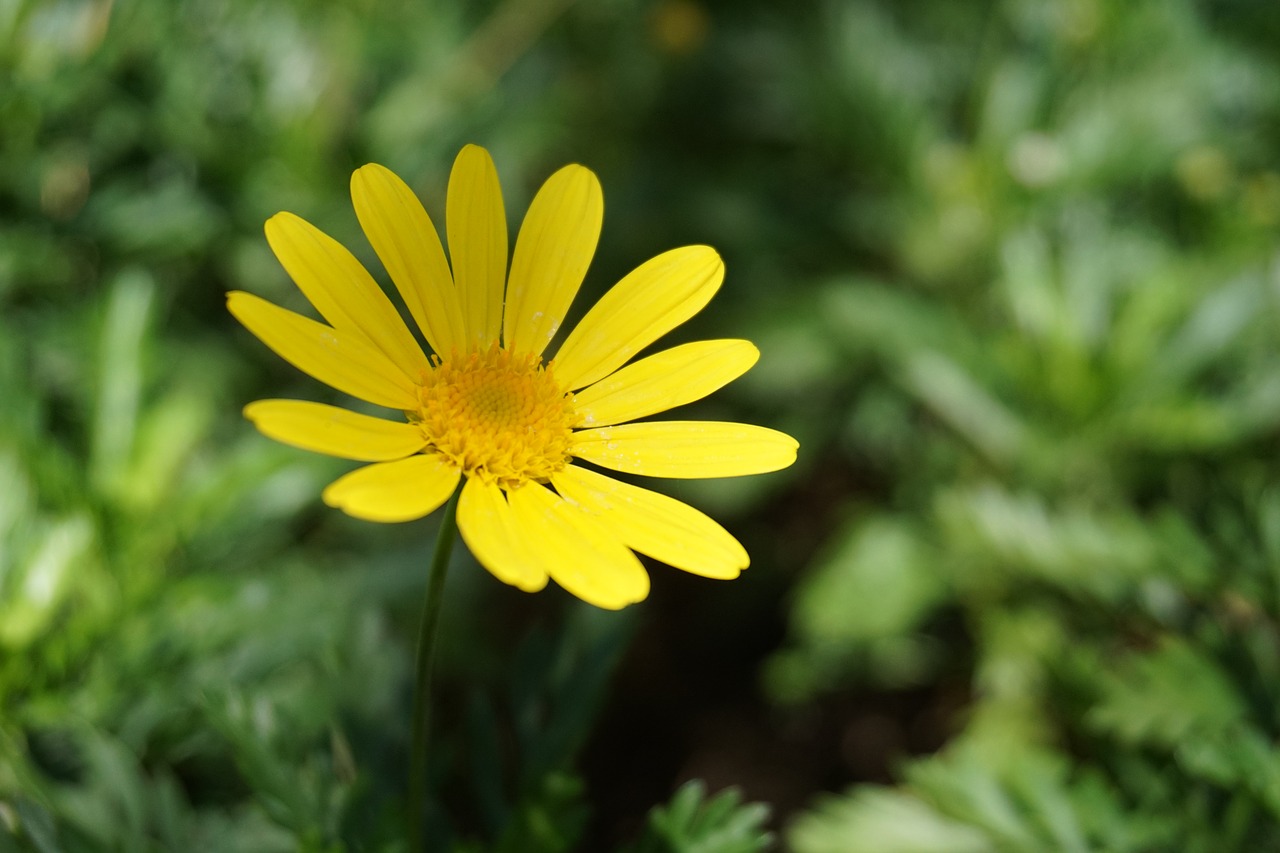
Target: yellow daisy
point(487, 407)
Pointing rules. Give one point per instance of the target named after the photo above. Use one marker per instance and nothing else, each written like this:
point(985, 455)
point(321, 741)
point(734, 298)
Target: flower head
point(487, 407)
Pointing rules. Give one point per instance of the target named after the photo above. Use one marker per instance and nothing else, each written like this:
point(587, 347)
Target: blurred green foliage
point(1013, 268)
point(1061, 370)
point(691, 823)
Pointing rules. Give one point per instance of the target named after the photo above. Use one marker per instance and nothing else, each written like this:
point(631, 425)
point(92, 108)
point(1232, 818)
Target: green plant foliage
point(692, 823)
point(881, 560)
point(1065, 371)
point(1012, 269)
point(519, 747)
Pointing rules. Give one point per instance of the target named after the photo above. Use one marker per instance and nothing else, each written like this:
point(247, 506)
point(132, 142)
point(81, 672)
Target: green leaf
point(1167, 697)
point(691, 823)
point(882, 559)
point(881, 820)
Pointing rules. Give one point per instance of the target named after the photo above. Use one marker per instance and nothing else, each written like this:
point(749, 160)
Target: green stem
point(426, 653)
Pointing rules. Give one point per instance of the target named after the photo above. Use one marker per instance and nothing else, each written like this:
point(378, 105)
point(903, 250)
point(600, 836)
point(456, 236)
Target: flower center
point(497, 415)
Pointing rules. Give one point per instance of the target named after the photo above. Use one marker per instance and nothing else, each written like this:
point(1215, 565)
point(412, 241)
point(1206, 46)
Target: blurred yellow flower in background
point(487, 407)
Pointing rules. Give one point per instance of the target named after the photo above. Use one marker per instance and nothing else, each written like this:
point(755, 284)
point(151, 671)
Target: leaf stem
point(426, 654)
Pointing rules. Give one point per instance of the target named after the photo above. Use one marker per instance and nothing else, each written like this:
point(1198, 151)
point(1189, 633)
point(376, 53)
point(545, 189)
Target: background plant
point(1012, 267)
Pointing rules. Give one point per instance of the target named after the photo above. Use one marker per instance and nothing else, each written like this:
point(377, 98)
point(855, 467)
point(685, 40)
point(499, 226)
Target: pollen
point(496, 415)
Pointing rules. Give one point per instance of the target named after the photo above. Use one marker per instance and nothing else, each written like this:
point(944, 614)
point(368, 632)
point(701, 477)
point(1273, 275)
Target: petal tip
point(278, 220)
point(470, 152)
point(330, 495)
point(706, 253)
point(593, 182)
point(531, 585)
point(367, 173)
point(236, 300)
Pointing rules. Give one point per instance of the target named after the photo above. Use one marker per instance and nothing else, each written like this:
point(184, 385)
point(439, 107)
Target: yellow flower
point(487, 407)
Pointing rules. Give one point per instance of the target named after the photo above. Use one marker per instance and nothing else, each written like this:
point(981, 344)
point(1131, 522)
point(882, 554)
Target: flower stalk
point(425, 660)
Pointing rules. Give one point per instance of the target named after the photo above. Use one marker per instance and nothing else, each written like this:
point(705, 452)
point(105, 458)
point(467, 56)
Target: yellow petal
point(394, 491)
point(489, 529)
point(579, 553)
point(337, 432)
point(342, 290)
point(552, 254)
point(477, 226)
point(651, 301)
point(654, 524)
point(663, 381)
point(408, 245)
point(343, 360)
point(686, 449)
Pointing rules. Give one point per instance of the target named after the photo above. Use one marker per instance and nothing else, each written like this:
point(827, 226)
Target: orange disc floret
point(496, 415)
